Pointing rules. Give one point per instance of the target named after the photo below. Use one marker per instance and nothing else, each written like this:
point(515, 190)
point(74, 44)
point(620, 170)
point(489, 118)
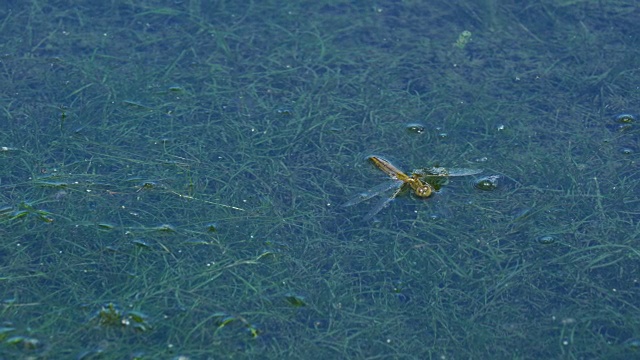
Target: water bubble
point(623, 122)
point(625, 118)
point(165, 228)
point(212, 227)
point(141, 243)
point(284, 112)
point(626, 151)
point(415, 128)
point(546, 239)
point(632, 344)
point(436, 216)
point(487, 183)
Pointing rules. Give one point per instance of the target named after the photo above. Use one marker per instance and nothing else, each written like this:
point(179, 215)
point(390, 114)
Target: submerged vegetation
point(171, 180)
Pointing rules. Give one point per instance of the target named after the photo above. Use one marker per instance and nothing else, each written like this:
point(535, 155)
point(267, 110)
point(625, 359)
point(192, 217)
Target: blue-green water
point(172, 174)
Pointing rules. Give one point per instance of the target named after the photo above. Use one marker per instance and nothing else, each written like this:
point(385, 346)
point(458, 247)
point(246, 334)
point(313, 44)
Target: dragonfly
point(417, 182)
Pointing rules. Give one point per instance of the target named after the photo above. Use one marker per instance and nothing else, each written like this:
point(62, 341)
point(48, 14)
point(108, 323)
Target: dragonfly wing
point(464, 172)
point(381, 204)
point(366, 195)
point(440, 171)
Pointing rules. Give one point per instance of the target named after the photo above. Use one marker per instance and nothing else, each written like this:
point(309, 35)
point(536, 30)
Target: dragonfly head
point(424, 191)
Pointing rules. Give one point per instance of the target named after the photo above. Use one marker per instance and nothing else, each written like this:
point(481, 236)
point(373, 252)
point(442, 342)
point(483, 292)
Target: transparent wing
point(440, 171)
point(382, 204)
point(366, 195)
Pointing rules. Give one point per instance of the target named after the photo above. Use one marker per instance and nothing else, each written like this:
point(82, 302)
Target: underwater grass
point(173, 175)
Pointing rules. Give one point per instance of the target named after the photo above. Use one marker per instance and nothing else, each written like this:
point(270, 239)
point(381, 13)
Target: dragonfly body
point(420, 188)
point(415, 181)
